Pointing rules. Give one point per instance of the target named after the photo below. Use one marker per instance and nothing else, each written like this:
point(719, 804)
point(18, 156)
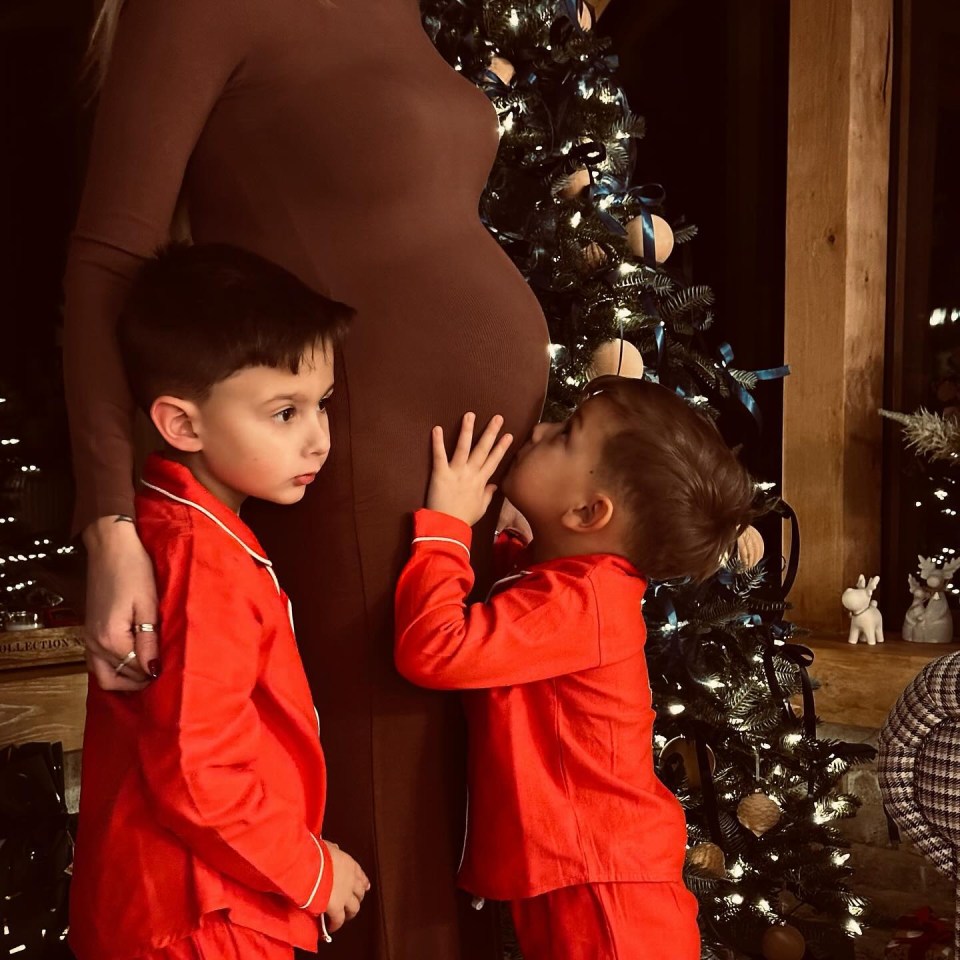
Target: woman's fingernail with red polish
point(153, 668)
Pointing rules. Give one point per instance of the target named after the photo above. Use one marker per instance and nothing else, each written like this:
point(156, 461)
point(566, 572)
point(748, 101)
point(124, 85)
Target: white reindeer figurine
point(935, 624)
point(865, 618)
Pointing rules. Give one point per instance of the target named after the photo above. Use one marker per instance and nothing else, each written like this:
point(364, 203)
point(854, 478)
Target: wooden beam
point(836, 254)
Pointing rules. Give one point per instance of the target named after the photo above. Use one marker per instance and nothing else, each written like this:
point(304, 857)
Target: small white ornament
point(929, 619)
point(865, 618)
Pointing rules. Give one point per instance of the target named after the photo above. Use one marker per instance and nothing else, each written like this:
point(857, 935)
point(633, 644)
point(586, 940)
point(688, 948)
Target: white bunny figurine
point(865, 618)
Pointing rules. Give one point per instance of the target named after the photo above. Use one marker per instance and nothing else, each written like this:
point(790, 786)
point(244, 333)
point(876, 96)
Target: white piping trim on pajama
point(442, 540)
point(323, 863)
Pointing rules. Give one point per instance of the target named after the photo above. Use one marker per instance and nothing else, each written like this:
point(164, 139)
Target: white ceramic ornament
point(865, 618)
point(929, 619)
point(913, 625)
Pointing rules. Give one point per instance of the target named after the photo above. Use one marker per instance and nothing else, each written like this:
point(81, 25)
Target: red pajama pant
point(609, 921)
point(219, 939)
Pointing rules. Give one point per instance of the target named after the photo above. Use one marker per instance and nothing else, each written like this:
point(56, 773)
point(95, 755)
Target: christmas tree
point(736, 733)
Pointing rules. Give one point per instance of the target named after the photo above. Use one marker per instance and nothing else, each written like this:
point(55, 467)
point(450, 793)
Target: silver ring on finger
point(145, 628)
point(129, 658)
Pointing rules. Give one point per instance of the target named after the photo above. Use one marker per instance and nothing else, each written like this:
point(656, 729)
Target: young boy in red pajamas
point(567, 819)
point(202, 796)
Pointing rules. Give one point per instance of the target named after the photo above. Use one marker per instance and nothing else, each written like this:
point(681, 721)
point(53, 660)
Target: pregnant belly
point(451, 325)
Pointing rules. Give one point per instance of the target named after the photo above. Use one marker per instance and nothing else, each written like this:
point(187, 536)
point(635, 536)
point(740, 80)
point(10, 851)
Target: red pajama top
point(561, 774)
point(205, 791)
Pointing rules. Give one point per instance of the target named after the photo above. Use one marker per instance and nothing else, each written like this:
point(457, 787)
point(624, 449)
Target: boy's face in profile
point(263, 432)
point(559, 466)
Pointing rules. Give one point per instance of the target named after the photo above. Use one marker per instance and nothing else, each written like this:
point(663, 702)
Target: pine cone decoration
point(758, 813)
point(709, 858)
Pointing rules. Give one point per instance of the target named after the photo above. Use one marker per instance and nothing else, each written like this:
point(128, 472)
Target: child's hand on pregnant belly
point(460, 486)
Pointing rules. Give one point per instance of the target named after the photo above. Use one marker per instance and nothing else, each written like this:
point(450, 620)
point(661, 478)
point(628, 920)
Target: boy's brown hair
point(196, 315)
point(686, 492)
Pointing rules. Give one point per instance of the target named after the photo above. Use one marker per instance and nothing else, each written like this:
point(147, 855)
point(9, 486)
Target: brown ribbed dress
point(329, 136)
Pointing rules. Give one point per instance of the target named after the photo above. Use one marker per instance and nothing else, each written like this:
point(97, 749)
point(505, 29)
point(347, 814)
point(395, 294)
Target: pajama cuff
point(320, 894)
point(433, 527)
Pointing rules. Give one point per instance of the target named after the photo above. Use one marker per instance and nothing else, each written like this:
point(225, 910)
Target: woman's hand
point(121, 595)
point(460, 487)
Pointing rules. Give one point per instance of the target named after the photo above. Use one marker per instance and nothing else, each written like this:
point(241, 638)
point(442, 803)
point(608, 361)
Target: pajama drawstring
point(323, 926)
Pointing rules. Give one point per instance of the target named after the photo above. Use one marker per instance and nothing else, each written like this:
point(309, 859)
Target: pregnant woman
point(330, 137)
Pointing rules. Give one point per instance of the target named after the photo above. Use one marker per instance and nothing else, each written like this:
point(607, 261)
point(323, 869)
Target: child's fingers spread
point(439, 451)
point(487, 439)
point(465, 440)
point(496, 455)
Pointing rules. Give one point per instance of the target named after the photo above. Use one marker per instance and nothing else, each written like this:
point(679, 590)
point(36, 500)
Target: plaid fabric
point(919, 765)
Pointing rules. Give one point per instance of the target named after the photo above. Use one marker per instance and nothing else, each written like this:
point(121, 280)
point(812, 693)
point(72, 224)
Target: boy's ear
point(175, 419)
point(589, 517)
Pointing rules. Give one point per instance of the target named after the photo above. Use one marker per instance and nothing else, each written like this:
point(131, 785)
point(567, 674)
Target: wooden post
point(836, 255)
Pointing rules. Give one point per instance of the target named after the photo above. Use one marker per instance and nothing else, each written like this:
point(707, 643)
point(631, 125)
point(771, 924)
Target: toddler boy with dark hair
point(202, 796)
point(567, 819)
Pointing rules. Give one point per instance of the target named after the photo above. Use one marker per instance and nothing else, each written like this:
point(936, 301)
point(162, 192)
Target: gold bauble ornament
point(783, 943)
point(576, 183)
point(709, 858)
point(503, 69)
point(750, 547)
point(686, 750)
point(619, 357)
point(758, 813)
point(662, 237)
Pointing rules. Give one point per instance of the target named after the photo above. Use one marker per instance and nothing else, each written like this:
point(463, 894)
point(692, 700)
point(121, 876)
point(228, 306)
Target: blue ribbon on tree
point(651, 197)
point(738, 389)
